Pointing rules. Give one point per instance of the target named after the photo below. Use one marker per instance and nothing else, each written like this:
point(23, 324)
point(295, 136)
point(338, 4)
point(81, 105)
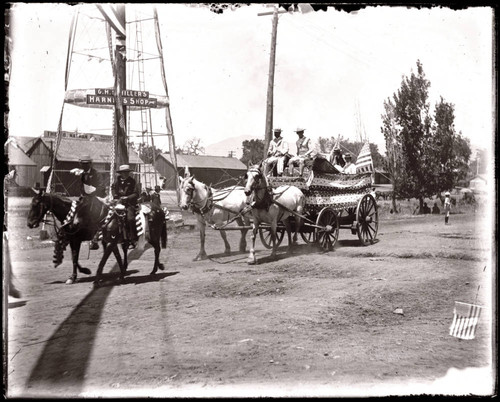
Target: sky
point(334, 70)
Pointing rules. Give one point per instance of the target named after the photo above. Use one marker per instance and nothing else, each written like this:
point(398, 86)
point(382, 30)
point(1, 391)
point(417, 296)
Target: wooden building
point(216, 171)
point(68, 155)
point(25, 170)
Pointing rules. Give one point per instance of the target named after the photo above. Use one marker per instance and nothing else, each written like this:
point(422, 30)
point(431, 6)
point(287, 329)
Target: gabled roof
point(70, 150)
point(24, 142)
point(17, 157)
point(206, 161)
point(480, 177)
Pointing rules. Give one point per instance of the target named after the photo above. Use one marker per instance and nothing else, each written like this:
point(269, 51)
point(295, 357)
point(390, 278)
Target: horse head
point(37, 210)
point(253, 178)
point(187, 189)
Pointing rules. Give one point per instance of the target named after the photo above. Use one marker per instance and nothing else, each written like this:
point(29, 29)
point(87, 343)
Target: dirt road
point(356, 321)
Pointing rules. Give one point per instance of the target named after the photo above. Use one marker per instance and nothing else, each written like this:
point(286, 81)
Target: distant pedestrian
point(435, 209)
point(447, 207)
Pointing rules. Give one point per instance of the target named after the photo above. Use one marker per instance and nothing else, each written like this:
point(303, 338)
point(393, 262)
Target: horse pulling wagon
point(334, 201)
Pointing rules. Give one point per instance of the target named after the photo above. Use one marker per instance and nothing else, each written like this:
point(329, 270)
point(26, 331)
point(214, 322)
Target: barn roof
point(24, 142)
point(70, 150)
point(206, 161)
point(17, 157)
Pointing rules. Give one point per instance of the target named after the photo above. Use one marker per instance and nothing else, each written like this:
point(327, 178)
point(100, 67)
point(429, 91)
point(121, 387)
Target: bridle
point(199, 208)
point(267, 199)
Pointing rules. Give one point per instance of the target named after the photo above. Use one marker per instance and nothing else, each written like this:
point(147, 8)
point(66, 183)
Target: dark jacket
point(126, 188)
point(93, 178)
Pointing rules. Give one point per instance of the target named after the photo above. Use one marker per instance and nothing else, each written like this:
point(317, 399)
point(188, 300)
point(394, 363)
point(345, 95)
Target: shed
point(25, 168)
point(216, 171)
point(478, 184)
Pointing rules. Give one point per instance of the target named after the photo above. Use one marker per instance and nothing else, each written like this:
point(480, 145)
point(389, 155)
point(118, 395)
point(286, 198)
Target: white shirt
point(277, 145)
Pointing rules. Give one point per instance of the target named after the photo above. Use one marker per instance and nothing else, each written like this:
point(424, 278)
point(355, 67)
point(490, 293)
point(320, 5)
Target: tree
point(148, 153)
point(425, 155)
point(193, 146)
point(252, 151)
point(393, 162)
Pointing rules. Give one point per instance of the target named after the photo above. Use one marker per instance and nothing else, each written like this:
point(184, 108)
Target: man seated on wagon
point(125, 190)
point(336, 158)
point(304, 151)
point(277, 155)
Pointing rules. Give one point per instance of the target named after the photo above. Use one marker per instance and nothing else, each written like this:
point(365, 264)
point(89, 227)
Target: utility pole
point(270, 85)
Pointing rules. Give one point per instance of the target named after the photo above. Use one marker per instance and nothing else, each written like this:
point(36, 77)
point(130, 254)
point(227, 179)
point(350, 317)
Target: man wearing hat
point(91, 180)
point(125, 190)
point(337, 159)
point(349, 168)
point(304, 151)
point(277, 155)
point(91, 185)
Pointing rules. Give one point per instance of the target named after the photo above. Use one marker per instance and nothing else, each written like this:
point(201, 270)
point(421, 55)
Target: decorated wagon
point(334, 201)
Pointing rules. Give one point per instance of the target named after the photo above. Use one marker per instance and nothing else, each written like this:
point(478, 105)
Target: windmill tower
point(115, 52)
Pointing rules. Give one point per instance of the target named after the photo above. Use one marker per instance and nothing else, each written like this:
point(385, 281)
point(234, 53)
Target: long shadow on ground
point(61, 367)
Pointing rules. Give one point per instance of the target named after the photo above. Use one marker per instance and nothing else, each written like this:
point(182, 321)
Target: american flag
point(364, 163)
point(465, 319)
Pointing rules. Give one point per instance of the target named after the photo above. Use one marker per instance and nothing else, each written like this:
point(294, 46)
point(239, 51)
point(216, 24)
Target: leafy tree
point(252, 151)
point(193, 146)
point(425, 155)
point(147, 153)
point(393, 162)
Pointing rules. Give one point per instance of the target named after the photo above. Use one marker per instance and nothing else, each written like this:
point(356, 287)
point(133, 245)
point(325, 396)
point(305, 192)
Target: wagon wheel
point(328, 234)
point(309, 237)
point(367, 220)
point(265, 237)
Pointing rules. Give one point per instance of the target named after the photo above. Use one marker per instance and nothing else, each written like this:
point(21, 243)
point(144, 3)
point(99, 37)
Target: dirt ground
point(358, 321)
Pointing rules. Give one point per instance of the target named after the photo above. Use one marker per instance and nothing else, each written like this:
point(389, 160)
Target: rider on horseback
point(125, 190)
point(91, 185)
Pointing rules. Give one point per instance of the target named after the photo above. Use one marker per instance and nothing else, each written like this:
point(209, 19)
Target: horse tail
point(59, 248)
point(164, 235)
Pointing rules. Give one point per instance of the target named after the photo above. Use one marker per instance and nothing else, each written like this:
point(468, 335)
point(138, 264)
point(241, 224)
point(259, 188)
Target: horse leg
point(227, 247)
point(157, 264)
point(274, 225)
point(123, 268)
point(104, 259)
point(202, 255)
point(288, 227)
point(75, 252)
point(243, 240)
point(251, 257)
point(125, 255)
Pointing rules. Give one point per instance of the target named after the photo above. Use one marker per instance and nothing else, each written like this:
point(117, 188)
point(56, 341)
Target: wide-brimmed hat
point(300, 130)
point(85, 158)
point(124, 168)
point(278, 130)
point(348, 156)
point(447, 193)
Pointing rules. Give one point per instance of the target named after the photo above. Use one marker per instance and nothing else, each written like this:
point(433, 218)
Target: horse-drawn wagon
point(334, 201)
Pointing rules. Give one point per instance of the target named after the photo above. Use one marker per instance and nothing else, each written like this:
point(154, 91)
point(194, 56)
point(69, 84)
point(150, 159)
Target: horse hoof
point(85, 271)
point(97, 284)
point(153, 272)
point(161, 266)
point(227, 252)
point(70, 281)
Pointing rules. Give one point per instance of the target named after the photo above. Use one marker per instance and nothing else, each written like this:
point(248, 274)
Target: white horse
point(273, 206)
point(215, 207)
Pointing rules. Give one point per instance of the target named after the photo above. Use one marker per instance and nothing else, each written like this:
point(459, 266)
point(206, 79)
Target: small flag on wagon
point(364, 163)
point(465, 319)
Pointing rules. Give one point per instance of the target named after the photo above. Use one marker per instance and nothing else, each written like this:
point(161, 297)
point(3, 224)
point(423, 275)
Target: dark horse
point(154, 231)
point(44, 202)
